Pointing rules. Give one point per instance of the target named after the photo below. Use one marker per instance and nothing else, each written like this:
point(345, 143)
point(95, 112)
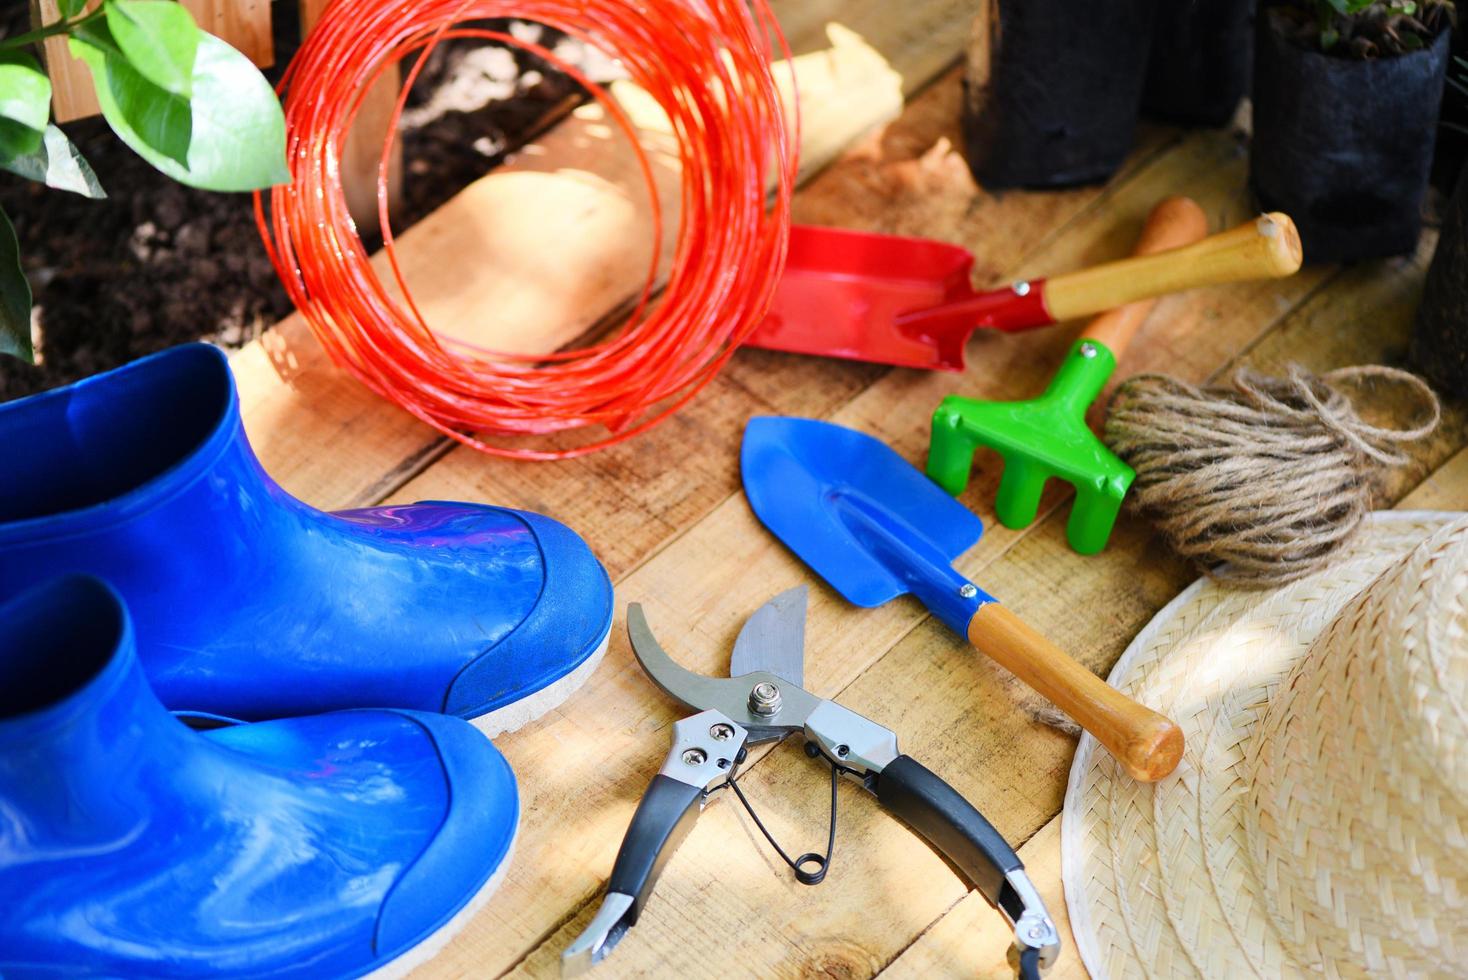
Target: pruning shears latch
point(764, 702)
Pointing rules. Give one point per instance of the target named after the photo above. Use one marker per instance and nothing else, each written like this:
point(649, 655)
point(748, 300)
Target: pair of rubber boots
point(276, 834)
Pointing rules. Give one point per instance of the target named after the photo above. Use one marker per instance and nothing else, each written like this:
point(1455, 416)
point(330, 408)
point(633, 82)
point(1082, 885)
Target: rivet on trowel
point(1088, 349)
point(1021, 288)
point(968, 590)
point(764, 699)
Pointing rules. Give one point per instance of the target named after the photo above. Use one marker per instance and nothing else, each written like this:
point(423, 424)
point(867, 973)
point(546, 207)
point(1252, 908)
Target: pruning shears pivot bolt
point(764, 699)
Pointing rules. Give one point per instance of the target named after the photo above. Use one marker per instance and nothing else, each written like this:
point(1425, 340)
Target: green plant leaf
point(70, 8)
point(15, 297)
point(1341, 6)
point(232, 128)
point(159, 38)
point(1328, 38)
point(25, 103)
point(59, 164)
point(157, 124)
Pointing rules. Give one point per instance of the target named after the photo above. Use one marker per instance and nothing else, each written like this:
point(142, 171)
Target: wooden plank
point(963, 941)
point(547, 278)
point(699, 587)
point(363, 150)
point(701, 574)
point(244, 24)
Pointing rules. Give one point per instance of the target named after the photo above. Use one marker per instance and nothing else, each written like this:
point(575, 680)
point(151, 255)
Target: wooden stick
point(1173, 223)
point(1147, 745)
point(1266, 248)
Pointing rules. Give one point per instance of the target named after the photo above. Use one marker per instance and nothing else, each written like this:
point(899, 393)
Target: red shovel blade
point(887, 299)
point(842, 291)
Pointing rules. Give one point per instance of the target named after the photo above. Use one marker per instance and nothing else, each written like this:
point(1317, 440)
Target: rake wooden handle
point(1267, 247)
point(1173, 223)
point(1148, 745)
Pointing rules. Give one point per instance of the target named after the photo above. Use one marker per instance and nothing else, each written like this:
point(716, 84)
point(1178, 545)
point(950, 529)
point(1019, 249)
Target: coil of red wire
point(707, 63)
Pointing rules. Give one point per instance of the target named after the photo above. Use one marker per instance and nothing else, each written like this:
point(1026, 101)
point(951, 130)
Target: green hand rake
point(1047, 437)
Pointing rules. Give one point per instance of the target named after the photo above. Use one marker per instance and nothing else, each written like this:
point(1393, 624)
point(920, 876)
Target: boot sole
point(417, 955)
point(513, 717)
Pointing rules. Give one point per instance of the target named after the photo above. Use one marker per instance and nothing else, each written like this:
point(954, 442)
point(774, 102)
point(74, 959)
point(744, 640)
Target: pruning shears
point(763, 702)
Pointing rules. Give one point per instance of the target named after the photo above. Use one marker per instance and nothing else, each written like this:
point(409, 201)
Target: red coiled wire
point(705, 62)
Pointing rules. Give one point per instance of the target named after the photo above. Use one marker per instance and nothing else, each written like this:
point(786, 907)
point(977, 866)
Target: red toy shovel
point(908, 301)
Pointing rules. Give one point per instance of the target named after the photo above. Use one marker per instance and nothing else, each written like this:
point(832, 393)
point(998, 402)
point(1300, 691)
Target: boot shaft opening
point(95, 441)
point(54, 640)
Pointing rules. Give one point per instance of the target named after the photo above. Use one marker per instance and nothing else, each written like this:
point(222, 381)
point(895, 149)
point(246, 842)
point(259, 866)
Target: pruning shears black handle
point(955, 828)
point(663, 819)
point(707, 750)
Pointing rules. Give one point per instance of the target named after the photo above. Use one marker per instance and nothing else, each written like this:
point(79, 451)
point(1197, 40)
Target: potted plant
point(1200, 62)
point(1052, 89)
point(1346, 96)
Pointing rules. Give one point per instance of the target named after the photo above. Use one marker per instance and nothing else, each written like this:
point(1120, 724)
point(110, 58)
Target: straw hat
point(1319, 820)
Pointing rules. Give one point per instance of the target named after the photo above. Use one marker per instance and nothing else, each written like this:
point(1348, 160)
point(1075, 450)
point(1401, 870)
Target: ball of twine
point(1259, 483)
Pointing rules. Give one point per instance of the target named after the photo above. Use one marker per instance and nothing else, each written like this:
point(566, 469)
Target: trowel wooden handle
point(1264, 248)
point(1147, 745)
point(1173, 223)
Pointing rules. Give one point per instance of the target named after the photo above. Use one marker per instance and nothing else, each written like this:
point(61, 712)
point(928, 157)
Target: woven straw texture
point(1316, 824)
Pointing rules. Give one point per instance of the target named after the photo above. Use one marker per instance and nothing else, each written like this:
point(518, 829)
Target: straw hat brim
point(1156, 877)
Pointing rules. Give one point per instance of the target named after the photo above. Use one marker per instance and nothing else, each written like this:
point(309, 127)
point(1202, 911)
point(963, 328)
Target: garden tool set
point(763, 701)
point(1047, 436)
point(908, 301)
point(875, 528)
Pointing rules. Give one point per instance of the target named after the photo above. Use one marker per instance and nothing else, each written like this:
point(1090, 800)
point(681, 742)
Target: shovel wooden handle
point(1267, 247)
point(1173, 223)
point(1147, 745)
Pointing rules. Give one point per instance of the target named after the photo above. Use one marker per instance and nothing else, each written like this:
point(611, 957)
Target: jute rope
point(1262, 482)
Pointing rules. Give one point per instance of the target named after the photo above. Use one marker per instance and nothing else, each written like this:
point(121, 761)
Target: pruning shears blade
point(773, 639)
point(785, 710)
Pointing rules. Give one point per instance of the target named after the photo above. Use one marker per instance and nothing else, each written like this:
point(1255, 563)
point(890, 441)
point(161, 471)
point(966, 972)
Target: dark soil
point(157, 264)
point(1375, 32)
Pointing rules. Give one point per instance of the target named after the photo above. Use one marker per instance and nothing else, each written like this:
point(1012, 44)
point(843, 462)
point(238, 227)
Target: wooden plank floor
point(666, 514)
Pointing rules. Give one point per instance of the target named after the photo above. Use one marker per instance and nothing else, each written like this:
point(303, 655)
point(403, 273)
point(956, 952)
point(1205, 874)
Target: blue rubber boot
point(131, 845)
point(250, 604)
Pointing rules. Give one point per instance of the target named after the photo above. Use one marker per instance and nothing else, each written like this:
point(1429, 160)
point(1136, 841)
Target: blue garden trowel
point(875, 528)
